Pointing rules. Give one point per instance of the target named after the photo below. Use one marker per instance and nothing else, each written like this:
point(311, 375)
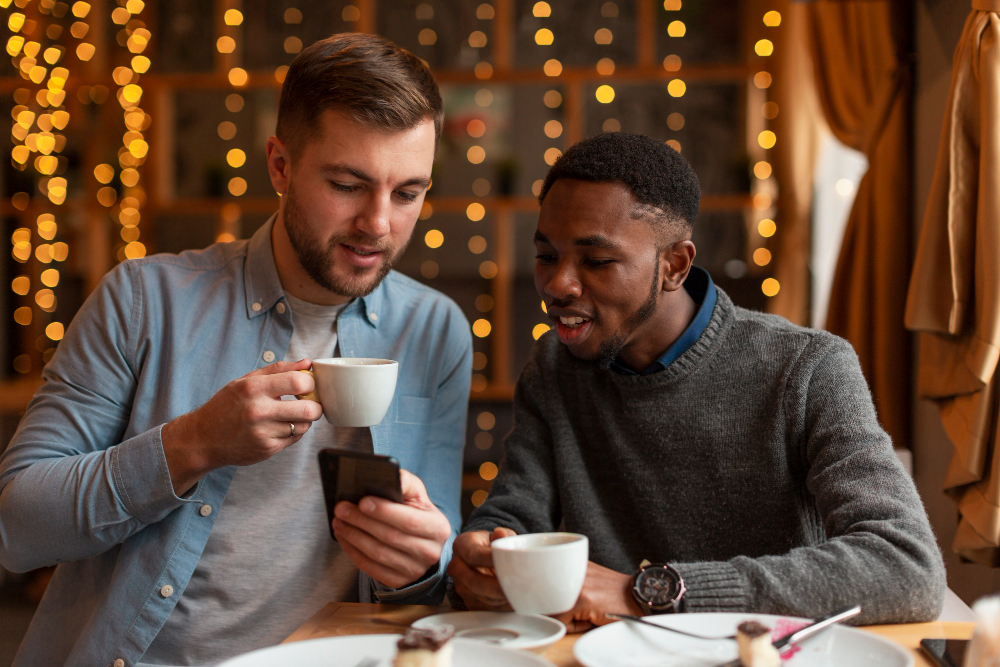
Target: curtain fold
point(863, 88)
point(954, 296)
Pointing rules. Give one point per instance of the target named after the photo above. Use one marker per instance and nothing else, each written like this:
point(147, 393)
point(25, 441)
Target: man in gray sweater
point(718, 459)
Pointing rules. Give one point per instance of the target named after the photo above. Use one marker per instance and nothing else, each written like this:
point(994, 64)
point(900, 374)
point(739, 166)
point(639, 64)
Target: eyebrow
point(596, 241)
point(362, 176)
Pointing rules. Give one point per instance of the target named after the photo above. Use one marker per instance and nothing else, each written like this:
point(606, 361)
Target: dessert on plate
point(425, 648)
point(753, 640)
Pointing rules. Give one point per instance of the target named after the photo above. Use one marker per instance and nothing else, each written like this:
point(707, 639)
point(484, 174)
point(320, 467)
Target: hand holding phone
point(351, 476)
point(396, 542)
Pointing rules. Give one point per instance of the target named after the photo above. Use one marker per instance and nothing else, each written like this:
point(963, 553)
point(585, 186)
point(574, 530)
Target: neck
point(294, 279)
point(674, 313)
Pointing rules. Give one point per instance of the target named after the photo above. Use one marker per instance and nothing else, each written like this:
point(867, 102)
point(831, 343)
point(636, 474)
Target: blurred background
point(139, 127)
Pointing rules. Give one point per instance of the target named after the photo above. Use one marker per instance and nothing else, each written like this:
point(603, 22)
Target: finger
point(408, 535)
point(377, 571)
point(379, 553)
point(478, 553)
point(500, 531)
point(281, 367)
point(428, 523)
point(476, 588)
point(289, 383)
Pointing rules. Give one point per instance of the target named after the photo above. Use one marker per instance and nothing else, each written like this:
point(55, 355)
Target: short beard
point(610, 348)
point(318, 261)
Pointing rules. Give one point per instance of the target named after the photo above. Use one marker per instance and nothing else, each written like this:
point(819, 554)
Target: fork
point(640, 619)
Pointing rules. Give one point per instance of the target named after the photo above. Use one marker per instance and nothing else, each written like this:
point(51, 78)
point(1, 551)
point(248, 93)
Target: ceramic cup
point(541, 573)
point(353, 391)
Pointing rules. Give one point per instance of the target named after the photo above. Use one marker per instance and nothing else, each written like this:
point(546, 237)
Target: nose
point(373, 219)
point(562, 283)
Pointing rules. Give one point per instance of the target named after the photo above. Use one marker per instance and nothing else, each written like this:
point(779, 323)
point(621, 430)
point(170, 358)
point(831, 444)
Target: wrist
point(183, 452)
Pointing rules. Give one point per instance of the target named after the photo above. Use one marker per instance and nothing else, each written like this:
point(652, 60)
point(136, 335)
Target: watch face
point(657, 585)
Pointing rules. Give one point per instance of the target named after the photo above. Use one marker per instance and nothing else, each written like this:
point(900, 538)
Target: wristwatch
point(658, 588)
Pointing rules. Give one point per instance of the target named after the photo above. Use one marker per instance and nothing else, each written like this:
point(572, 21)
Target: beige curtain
point(954, 298)
point(863, 90)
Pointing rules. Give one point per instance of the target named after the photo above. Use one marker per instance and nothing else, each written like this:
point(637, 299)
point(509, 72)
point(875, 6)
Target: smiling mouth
point(360, 251)
point(573, 322)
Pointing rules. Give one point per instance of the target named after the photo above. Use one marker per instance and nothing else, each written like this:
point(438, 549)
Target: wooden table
point(350, 618)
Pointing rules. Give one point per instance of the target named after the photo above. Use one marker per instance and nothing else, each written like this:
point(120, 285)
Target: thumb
point(500, 531)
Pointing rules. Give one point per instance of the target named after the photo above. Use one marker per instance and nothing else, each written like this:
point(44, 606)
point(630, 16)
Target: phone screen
point(353, 475)
point(945, 652)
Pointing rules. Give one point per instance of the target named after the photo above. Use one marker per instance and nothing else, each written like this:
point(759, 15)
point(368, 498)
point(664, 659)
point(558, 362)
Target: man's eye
point(597, 262)
point(341, 187)
point(544, 259)
point(407, 196)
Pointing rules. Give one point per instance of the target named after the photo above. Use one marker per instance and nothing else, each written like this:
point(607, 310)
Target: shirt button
point(256, 306)
point(119, 663)
point(280, 308)
point(269, 356)
point(205, 510)
point(373, 317)
point(166, 590)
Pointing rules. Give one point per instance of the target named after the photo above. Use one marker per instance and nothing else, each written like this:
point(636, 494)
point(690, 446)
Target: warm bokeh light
point(605, 94)
point(486, 420)
point(770, 287)
point(292, 44)
point(236, 158)
point(226, 130)
point(763, 47)
point(483, 440)
point(488, 470)
point(22, 285)
point(225, 44)
point(475, 128)
point(476, 154)
point(551, 155)
point(481, 328)
point(433, 238)
point(477, 39)
point(772, 19)
point(552, 99)
point(23, 315)
point(672, 5)
point(544, 37)
point(611, 125)
point(484, 97)
point(767, 139)
point(539, 329)
point(769, 110)
point(603, 36)
point(762, 201)
point(762, 80)
point(427, 37)
point(293, 16)
point(429, 269)
point(55, 330)
point(484, 303)
point(675, 121)
point(237, 186)
point(233, 17)
point(762, 170)
point(488, 270)
point(676, 29)
point(605, 66)
point(426, 210)
point(761, 256)
point(104, 173)
point(475, 211)
point(766, 228)
point(553, 129)
point(552, 67)
point(676, 88)
point(477, 245)
point(351, 14)
point(479, 361)
point(480, 187)
point(541, 10)
point(479, 497)
point(485, 12)
point(238, 76)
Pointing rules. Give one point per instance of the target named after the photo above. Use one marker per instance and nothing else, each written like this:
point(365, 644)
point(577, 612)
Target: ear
point(279, 164)
point(675, 264)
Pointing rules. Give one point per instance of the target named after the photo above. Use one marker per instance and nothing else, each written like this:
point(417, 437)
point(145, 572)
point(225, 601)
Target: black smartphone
point(945, 652)
point(351, 476)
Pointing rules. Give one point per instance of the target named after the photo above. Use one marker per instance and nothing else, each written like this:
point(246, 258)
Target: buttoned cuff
point(429, 589)
point(142, 479)
point(713, 586)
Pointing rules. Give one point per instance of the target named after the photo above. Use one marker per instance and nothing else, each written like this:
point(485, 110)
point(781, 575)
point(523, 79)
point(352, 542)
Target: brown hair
point(376, 82)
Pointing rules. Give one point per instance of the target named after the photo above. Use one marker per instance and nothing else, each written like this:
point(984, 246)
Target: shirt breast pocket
point(414, 410)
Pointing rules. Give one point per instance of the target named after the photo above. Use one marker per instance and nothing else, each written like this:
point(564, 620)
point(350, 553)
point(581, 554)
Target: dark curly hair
point(659, 178)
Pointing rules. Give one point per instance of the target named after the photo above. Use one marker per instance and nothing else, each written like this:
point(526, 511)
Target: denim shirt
point(85, 484)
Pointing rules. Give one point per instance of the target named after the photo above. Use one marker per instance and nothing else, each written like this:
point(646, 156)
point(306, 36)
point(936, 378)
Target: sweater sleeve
point(525, 495)
point(879, 550)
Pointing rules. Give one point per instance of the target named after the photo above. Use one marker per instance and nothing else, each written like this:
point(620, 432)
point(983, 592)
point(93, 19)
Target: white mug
point(353, 391)
point(541, 573)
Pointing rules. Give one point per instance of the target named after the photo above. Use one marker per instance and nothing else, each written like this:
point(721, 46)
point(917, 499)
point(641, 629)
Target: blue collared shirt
point(85, 484)
point(702, 290)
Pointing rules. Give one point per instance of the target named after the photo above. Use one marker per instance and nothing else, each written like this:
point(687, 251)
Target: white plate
point(626, 644)
point(507, 629)
point(349, 651)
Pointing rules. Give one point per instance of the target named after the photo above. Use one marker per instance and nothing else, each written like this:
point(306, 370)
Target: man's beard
point(318, 260)
point(609, 349)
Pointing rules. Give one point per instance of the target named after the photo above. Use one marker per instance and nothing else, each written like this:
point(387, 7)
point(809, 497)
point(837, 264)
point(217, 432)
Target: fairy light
point(39, 119)
point(676, 87)
point(762, 170)
point(231, 213)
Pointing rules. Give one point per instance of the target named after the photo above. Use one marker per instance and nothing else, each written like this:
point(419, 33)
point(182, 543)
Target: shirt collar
point(263, 286)
point(702, 290)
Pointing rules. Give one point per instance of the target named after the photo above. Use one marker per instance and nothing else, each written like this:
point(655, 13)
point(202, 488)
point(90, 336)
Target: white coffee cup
point(541, 573)
point(353, 391)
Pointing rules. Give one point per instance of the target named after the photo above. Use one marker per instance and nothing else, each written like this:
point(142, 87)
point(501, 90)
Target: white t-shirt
point(270, 563)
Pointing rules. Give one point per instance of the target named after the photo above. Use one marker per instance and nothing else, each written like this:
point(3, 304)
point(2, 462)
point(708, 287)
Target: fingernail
point(367, 506)
point(342, 510)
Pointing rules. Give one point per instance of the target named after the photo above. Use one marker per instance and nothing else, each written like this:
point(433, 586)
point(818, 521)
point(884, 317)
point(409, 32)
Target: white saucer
point(500, 628)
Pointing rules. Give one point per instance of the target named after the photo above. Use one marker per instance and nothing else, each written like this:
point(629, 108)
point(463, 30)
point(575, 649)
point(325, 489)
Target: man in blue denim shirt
point(165, 389)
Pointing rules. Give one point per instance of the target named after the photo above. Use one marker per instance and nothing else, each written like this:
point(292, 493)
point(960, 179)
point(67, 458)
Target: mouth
point(362, 256)
point(573, 328)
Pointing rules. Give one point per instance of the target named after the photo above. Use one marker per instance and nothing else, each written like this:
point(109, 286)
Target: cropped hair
point(376, 82)
point(662, 181)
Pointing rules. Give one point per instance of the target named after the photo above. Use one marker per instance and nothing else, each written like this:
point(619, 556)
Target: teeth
point(573, 322)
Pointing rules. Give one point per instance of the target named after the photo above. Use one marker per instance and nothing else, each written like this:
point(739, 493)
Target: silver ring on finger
point(291, 429)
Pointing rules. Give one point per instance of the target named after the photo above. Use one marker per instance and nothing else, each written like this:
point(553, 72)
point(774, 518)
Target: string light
point(762, 171)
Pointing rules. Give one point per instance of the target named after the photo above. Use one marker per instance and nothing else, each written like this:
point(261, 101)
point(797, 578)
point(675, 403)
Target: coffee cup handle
point(311, 396)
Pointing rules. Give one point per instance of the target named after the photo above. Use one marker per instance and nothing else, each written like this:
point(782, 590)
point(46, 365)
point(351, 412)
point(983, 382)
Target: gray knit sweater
point(754, 464)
